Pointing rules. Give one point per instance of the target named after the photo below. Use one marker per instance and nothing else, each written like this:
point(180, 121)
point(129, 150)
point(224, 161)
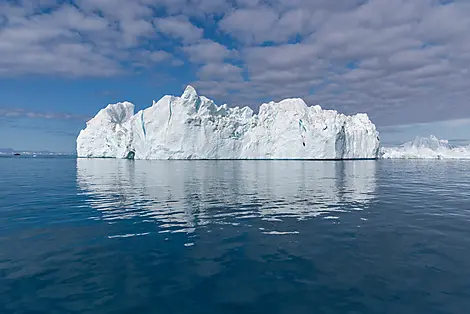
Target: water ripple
point(119, 236)
point(180, 196)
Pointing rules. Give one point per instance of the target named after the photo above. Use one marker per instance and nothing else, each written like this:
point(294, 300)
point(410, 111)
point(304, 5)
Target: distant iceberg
point(194, 127)
point(426, 148)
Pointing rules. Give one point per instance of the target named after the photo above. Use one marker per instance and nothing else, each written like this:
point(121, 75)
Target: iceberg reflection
point(181, 195)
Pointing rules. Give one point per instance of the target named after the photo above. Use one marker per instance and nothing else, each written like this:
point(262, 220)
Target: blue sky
point(403, 62)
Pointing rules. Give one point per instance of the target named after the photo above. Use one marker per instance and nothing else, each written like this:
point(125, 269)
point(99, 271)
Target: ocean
point(122, 236)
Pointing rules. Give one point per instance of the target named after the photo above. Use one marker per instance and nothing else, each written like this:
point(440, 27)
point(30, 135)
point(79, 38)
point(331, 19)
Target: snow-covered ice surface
point(426, 148)
point(194, 127)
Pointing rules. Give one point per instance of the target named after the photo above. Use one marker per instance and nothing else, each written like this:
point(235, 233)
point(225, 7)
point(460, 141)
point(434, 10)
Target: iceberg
point(426, 148)
point(194, 127)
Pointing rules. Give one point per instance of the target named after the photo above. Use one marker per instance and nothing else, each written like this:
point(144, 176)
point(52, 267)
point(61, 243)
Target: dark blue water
point(119, 236)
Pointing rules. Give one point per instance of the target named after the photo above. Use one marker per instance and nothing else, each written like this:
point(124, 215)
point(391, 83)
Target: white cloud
point(281, 57)
point(389, 58)
point(251, 25)
point(159, 56)
point(23, 113)
point(400, 61)
point(208, 51)
point(223, 71)
point(90, 40)
point(263, 24)
point(179, 27)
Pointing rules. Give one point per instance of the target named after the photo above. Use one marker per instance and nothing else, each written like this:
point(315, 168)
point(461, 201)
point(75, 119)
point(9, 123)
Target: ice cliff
point(194, 127)
point(426, 148)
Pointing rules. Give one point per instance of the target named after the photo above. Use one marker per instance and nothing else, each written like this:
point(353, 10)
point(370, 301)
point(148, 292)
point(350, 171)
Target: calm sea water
point(119, 236)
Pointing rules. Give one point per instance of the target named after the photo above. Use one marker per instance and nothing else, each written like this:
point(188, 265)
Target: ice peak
point(189, 92)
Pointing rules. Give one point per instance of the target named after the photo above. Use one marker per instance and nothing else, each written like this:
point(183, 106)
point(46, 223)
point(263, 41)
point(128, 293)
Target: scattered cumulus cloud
point(400, 61)
point(179, 27)
point(23, 113)
point(159, 56)
point(222, 71)
point(207, 51)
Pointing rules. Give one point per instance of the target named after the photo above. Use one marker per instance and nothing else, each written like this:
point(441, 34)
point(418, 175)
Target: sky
point(403, 62)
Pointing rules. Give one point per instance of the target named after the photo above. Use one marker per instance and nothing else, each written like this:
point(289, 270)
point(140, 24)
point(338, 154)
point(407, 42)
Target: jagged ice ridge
point(194, 127)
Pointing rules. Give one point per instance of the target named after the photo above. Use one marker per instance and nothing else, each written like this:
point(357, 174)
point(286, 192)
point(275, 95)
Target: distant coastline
point(4, 152)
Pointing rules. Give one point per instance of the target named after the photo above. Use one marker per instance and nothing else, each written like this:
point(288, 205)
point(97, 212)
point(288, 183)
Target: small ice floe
point(128, 235)
point(281, 232)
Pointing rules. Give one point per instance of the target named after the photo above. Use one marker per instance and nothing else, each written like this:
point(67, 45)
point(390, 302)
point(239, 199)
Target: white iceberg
point(426, 148)
point(194, 127)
